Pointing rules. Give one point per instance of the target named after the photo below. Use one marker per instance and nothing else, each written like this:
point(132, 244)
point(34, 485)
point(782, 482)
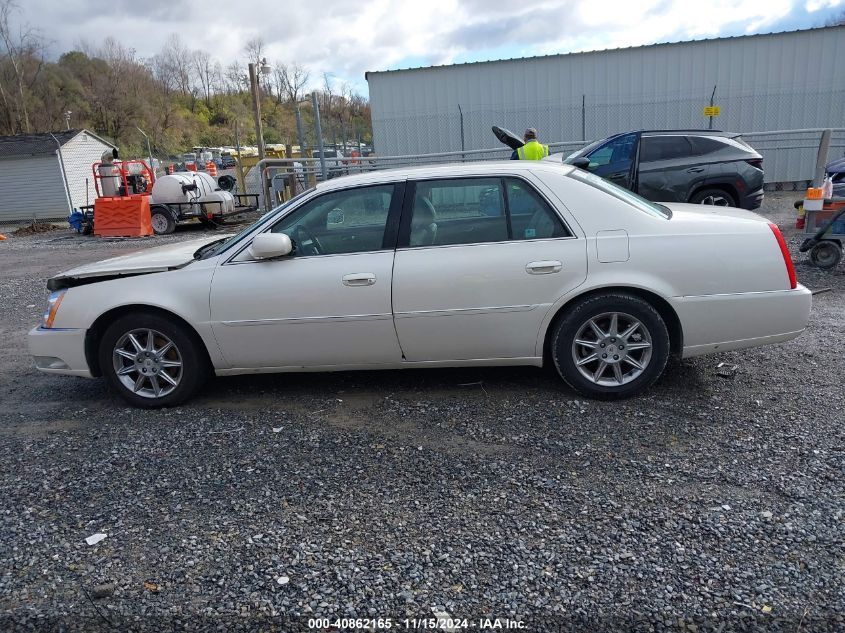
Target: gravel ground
point(710, 504)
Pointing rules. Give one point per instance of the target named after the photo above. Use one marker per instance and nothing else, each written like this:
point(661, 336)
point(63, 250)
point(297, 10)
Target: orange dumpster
point(122, 217)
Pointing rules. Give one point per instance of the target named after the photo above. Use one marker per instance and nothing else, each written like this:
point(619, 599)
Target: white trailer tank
point(179, 188)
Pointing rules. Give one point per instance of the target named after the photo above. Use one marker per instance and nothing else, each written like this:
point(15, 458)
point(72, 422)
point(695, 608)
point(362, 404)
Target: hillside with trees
point(180, 97)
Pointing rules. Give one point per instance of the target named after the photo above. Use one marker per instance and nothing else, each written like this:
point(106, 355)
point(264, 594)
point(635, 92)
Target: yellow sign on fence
point(712, 110)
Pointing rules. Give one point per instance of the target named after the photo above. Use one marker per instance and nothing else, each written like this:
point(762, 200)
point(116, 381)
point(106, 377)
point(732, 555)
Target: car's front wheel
point(152, 361)
point(610, 346)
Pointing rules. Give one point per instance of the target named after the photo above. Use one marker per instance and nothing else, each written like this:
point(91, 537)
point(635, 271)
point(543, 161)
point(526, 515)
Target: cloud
point(345, 39)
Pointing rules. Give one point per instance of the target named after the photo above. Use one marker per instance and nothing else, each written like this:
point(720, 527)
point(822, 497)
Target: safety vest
point(532, 150)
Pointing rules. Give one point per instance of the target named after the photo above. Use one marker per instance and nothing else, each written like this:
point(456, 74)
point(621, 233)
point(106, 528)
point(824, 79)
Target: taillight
point(787, 259)
point(755, 162)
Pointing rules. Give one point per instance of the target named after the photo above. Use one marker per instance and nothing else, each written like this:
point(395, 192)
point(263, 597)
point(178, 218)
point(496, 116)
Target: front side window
point(479, 210)
point(348, 221)
point(616, 152)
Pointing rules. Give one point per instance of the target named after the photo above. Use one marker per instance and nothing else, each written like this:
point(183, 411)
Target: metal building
point(777, 81)
point(45, 176)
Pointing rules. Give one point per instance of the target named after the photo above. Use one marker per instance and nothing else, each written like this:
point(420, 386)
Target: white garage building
point(46, 176)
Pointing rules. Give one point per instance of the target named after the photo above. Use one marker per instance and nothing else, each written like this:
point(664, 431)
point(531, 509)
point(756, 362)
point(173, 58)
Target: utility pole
point(319, 131)
point(256, 103)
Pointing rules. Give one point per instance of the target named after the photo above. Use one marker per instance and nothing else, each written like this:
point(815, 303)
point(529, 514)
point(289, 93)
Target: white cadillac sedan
point(510, 263)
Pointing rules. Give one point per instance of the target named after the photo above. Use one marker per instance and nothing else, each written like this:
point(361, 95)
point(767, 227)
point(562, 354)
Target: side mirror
point(582, 162)
point(270, 245)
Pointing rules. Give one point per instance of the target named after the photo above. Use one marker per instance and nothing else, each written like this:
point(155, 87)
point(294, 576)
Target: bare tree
point(295, 77)
point(23, 51)
point(254, 49)
point(235, 79)
point(207, 73)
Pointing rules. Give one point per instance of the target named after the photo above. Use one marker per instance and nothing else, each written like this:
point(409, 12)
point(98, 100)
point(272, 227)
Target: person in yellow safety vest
point(532, 150)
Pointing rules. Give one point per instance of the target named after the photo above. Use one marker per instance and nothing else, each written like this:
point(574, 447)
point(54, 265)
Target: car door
point(326, 304)
point(616, 160)
point(480, 262)
point(668, 168)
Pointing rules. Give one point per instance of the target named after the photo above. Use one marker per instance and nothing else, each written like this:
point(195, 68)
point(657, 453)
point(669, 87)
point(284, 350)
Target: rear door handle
point(695, 170)
point(544, 267)
point(359, 279)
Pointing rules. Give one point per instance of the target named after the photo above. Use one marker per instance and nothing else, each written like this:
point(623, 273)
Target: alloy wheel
point(147, 363)
point(612, 349)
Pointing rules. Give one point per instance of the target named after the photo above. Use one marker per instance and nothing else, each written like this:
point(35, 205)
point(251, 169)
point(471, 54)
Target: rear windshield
point(641, 204)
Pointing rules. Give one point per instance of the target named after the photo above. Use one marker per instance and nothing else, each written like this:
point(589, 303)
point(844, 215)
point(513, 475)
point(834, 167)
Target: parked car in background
point(227, 161)
point(504, 263)
point(696, 166)
point(334, 163)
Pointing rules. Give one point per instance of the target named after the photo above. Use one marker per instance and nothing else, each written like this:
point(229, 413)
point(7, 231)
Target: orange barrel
point(191, 166)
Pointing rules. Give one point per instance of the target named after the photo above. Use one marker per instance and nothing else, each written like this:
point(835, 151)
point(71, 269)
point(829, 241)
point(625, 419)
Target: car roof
point(690, 133)
point(450, 170)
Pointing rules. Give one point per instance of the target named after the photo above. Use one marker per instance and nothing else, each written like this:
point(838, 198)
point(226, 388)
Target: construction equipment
point(824, 224)
point(159, 203)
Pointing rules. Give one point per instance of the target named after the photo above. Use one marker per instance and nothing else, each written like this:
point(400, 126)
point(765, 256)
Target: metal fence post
point(583, 117)
point(821, 158)
point(463, 147)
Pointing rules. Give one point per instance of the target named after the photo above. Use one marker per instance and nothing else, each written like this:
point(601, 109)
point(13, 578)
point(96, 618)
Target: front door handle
point(544, 267)
point(359, 279)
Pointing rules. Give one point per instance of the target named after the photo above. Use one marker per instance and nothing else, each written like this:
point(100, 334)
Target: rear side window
point(664, 148)
point(702, 145)
point(531, 216)
point(478, 210)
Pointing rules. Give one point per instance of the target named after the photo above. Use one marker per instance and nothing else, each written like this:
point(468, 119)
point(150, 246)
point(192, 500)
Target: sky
point(345, 39)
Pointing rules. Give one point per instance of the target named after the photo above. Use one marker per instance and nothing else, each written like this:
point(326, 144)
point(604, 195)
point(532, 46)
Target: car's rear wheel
point(610, 346)
point(713, 197)
point(152, 361)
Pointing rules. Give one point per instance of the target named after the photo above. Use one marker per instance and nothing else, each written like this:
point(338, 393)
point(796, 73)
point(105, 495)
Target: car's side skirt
point(474, 362)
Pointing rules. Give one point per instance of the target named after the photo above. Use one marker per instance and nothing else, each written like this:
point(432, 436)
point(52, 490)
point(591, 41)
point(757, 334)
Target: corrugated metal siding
point(32, 188)
point(767, 82)
point(79, 153)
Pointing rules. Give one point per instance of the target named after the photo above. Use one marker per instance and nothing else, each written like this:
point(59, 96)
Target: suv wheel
point(714, 197)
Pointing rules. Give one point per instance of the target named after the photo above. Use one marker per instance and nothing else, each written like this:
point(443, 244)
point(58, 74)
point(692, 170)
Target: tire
point(714, 197)
point(162, 221)
point(826, 254)
point(142, 371)
point(590, 378)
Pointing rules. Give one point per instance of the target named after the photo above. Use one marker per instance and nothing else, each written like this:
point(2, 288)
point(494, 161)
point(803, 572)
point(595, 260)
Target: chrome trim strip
point(296, 320)
point(465, 311)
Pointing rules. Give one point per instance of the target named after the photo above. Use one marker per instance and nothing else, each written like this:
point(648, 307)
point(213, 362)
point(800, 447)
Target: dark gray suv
point(698, 166)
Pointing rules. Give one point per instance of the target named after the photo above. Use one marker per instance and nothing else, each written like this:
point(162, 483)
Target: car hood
point(149, 260)
point(702, 211)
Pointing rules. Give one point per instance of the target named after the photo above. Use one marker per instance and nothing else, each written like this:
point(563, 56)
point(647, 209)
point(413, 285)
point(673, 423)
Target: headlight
point(53, 302)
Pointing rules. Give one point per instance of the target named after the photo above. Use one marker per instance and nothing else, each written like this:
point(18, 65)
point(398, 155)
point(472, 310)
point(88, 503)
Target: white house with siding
point(46, 176)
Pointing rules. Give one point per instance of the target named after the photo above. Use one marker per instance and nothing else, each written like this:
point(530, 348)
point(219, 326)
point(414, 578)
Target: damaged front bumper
point(59, 351)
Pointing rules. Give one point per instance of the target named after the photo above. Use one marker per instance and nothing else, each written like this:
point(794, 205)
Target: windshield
point(205, 252)
point(657, 210)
